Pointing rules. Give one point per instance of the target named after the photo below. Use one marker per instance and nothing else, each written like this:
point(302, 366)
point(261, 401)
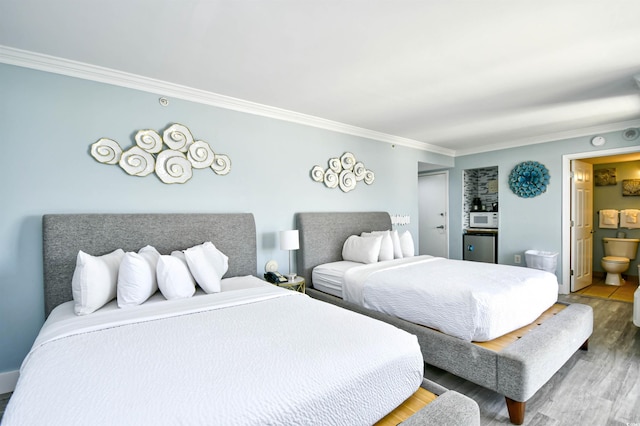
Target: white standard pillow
point(362, 249)
point(94, 280)
point(406, 241)
point(137, 279)
point(386, 245)
point(397, 247)
point(174, 279)
point(207, 265)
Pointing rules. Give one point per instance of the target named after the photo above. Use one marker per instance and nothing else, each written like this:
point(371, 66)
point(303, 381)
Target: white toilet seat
point(615, 259)
point(614, 266)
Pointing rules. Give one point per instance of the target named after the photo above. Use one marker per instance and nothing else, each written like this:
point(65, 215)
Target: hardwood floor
point(598, 387)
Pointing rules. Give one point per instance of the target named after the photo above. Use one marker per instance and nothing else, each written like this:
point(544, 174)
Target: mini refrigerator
point(480, 247)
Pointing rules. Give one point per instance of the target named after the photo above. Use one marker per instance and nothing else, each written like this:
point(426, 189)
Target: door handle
point(440, 227)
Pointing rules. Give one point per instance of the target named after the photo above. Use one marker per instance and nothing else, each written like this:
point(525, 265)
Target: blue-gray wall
point(48, 121)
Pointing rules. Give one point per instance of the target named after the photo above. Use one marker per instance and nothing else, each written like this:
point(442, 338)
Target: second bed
point(516, 368)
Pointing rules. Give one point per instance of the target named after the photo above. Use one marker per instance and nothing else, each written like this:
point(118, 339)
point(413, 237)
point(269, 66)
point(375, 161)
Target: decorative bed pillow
point(386, 245)
point(207, 265)
point(174, 279)
point(397, 247)
point(406, 241)
point(94, 280)
point(137, 279)
point(362, 249)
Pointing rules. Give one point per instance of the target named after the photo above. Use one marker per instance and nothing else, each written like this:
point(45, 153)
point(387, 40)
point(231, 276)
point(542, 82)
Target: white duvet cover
point(474, 301)
point(252, 356)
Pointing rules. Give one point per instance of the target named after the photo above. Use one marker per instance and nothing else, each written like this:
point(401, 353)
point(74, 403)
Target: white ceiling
point(455, 77)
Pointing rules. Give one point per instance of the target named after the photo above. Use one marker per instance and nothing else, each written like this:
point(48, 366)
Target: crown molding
point(52, 64)
point(56, 65)
point(558, 136)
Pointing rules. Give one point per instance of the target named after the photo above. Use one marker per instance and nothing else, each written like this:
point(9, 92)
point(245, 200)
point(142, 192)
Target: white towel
point(608, 219)
point(629, 218)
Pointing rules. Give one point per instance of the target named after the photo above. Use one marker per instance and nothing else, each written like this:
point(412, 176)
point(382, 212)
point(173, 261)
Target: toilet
point(618, 253)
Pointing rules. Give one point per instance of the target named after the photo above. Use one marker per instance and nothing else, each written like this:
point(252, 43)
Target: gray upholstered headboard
point(65, 234)
point(322, 235)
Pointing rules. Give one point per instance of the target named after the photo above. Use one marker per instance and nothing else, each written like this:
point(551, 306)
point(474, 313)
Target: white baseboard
point(8, 381)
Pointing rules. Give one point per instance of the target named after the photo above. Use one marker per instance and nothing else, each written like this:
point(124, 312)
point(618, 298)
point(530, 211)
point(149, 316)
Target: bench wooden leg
point(585, 345)
point(516, 411)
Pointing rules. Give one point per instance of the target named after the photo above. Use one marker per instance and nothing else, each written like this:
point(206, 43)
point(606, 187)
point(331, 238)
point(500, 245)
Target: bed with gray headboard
point(517, 371)
point(65, 234)
point(203, 364)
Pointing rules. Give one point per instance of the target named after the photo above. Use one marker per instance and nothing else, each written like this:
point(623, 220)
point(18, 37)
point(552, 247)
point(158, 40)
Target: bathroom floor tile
point(600, 290)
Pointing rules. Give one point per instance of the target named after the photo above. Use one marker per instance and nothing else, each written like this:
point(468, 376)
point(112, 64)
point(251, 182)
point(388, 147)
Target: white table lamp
point(289, 240)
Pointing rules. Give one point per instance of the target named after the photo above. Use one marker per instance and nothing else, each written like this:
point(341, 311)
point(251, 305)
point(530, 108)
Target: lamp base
point(291, 276)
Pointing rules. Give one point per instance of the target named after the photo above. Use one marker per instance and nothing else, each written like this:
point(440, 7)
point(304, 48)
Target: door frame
point(446, 201)
point(565, 286)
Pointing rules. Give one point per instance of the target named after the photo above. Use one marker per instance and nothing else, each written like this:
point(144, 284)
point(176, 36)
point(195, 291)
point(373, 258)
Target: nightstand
point(298, 284)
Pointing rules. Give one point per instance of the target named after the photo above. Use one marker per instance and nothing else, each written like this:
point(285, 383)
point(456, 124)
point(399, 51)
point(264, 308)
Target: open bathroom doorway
point(568, 242)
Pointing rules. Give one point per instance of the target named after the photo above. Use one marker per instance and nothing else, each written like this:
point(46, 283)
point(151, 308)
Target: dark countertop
point(480, 231)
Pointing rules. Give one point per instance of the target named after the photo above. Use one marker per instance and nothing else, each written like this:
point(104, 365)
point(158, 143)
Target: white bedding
point(473, 301)
point(330, 276)
point(256, 355)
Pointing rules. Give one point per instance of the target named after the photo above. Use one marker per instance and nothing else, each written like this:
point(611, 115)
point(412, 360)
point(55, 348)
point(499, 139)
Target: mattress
point(473, 301)
point(256, 354)
point(329, 277)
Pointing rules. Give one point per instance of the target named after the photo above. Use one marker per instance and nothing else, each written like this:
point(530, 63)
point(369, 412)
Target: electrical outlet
point(517, 259)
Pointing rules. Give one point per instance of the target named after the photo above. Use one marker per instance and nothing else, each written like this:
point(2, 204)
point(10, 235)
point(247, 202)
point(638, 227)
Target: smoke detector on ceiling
point(630, 134)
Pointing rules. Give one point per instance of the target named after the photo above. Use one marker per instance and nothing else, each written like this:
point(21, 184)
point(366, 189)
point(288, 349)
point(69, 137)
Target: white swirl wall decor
point(106, 151)
point(335, 165)
point(344, 172)
point(221, 164)
point(137, 162)
point(347, 180)
point(359, 170)
point(348, 161)
point(172, 156)
point(331, 179)
point(317, 173)
point(200, 155)
point(369, 177)
point(149, 140)
point(177, 137)
point(173, 167)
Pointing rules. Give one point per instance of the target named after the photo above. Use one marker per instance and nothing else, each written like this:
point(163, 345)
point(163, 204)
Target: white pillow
point(406, 241)
point(137, 279)
point(362, 249)
point(397, 247)
point(174, 279)
point(207, 265)
point(386, 245)
point(94, 280)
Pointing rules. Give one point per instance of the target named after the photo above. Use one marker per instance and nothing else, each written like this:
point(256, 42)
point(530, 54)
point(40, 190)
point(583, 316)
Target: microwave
point(483, 220)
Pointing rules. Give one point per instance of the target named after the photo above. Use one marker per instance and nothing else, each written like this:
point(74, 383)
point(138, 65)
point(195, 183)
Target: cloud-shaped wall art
point(172, 156)
point(343, 172)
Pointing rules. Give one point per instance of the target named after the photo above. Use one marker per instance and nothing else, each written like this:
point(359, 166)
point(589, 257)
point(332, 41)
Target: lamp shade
point(289, 240)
